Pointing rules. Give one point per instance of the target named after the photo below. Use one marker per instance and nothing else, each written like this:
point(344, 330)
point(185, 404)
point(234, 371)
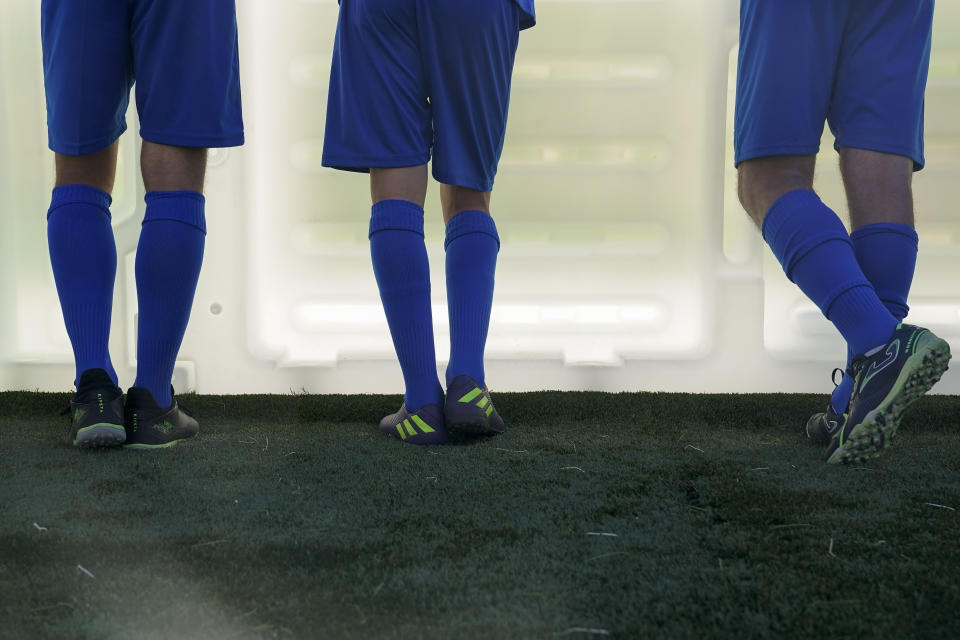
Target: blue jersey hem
point(486, 185)
point(205, 142)
point(851, 141)
point(856, 142)
point(776, 150)
point(70, 148)
point(363, 165)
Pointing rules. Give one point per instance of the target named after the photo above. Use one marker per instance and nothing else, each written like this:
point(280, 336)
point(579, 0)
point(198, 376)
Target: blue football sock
point(169, 256)
point(812, 244)
point(887, 254)
point(472, 244)
point(403, 277)
point(83, 254)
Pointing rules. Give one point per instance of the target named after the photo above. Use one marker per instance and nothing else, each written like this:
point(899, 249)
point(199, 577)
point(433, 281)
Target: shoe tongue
point(93, 379)
point(141, 397)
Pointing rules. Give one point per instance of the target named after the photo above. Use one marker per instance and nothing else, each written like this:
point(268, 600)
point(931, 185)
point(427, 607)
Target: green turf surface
point(293, 517)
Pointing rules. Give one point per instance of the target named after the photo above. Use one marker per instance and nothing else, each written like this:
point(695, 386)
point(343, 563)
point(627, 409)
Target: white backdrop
point(627, 263)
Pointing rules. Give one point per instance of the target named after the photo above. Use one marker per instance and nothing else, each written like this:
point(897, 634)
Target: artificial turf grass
point(291, 516)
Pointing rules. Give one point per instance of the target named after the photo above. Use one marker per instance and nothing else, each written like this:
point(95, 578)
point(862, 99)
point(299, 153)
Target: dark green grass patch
point(631, 515)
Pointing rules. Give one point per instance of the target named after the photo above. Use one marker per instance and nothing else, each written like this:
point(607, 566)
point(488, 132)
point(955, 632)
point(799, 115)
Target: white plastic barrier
point(626, 262)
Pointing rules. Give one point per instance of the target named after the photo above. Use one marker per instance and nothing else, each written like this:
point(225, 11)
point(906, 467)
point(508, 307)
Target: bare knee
point(400, 183)
point(878, 186)
point(94, 169)
point(762, 181)
point(168, 168)
point(456, 199)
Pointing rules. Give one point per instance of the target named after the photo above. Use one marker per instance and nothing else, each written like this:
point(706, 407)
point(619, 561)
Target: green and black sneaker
point(96, 412)
point(468, 409)
point(885, 384)
point(423, 426)
point(822, 426)
point(152, 427)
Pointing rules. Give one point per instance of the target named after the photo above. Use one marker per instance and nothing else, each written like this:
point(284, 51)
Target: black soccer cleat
point(424, 426)
point(885, 384)
point(824, 425)
point(469, 410)
point(152, 427)
point(96, 412)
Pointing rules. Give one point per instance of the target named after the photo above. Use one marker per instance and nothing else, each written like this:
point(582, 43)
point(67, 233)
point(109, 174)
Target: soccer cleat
point(468, 409)
point(96, 412)
point(822, 426)
point(425, 426)
point(885, 384)
point(152, 427)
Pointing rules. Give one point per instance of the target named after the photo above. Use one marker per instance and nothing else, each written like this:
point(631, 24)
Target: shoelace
point(833, 377)
point(857, 365)
point(850, 371)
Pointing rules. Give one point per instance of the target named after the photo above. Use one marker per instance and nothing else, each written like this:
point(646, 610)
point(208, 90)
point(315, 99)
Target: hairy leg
point(814, 247)
point(762, 181)
point(880, 199)
point(878, 186)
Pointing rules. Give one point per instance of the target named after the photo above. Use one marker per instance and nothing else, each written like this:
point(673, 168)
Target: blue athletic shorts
point(181, 53)
point(861, 65)
point(414, 76)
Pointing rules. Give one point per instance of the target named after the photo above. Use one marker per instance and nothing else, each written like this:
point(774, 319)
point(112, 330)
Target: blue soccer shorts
point(861, 65)
point(182, 54)
point(411, 77)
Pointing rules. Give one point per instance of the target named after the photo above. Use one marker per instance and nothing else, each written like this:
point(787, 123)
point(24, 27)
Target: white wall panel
point(626, 261)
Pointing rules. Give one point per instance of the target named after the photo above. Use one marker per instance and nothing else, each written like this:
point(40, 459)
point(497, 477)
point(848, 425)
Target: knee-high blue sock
point(887, 254)
point(812, 244)
point(169, 256)
point(472, 245)
point(403, 277)
point(83, 254)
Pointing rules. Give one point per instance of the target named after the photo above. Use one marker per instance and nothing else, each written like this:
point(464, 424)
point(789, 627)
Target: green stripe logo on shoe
point(483, 402)
point(893, 351)
point(467, 397)
point(163, 427)
point(406, 429)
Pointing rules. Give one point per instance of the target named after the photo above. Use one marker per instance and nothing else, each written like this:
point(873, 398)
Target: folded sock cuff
point(885, 227)
point(180, 206)
point(787, 227)
point(826, 303)
point(397, 215)
point(471, 222)
point(80, 193)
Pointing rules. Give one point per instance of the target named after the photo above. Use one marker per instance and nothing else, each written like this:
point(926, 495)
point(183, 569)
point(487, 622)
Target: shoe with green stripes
point(469, 410)
point(96, 412)
point(885, 384)
point(424, 426)
point(150, 426)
